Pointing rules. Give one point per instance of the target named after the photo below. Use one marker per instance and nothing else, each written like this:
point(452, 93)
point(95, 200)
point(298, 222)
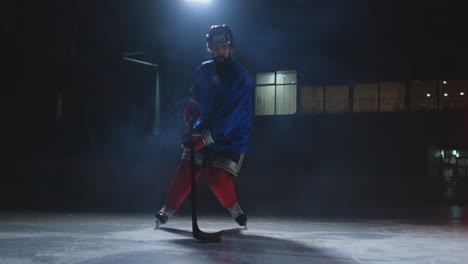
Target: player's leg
point(178, 190)
point(222, 185)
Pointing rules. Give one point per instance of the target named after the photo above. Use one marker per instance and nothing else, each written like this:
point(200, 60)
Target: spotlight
point(428, 95)
point(199, 1)
point(446, 94)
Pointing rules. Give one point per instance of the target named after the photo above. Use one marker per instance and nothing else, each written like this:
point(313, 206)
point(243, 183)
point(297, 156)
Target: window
point(366, 97)
point(312, 99)
point(423, 95)
point(392, 96)
point(386, 96)
point(336, 98)
point(276, 93)
point(452, 94)
point(265, 94)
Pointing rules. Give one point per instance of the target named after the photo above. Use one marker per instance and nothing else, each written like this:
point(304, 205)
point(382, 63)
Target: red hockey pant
point(220, 182)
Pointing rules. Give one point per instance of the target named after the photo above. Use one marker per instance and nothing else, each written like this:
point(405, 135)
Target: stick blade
point(204, 236)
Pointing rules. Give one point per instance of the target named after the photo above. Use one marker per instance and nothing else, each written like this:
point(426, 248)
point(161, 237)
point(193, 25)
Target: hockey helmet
point(219, 33)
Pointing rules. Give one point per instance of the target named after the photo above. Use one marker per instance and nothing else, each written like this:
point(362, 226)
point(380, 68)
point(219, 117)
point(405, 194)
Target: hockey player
point(219, 109)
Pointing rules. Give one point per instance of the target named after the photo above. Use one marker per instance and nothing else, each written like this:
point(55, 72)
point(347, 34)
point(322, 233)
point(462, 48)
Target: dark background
point(103, 155)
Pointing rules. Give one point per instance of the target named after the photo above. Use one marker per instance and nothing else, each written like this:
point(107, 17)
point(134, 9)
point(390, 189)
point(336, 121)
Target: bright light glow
point(199, 1)
point(428, 95)
point(454, 152)
point(445, 94)
point(445, 82)
point(462, 93)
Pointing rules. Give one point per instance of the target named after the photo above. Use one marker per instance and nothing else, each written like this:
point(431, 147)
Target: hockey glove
point(190, 113)
point(199, 139)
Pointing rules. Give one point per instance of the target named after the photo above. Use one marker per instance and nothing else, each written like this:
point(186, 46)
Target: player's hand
point(199, 139)
point(196, 139)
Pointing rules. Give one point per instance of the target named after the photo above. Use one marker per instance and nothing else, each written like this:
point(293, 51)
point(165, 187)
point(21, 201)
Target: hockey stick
point(197, 233)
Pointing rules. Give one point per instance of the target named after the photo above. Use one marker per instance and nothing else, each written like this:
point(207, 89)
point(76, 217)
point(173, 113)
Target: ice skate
point(163, 216)
point(239, 216)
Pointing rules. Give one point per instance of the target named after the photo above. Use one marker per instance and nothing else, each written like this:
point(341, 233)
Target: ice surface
point(112, 238)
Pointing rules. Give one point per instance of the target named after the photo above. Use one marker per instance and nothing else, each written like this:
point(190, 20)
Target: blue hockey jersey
point(225, 104)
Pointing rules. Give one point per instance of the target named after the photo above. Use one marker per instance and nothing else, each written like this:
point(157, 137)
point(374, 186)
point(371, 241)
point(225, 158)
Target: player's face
point(221, 51)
